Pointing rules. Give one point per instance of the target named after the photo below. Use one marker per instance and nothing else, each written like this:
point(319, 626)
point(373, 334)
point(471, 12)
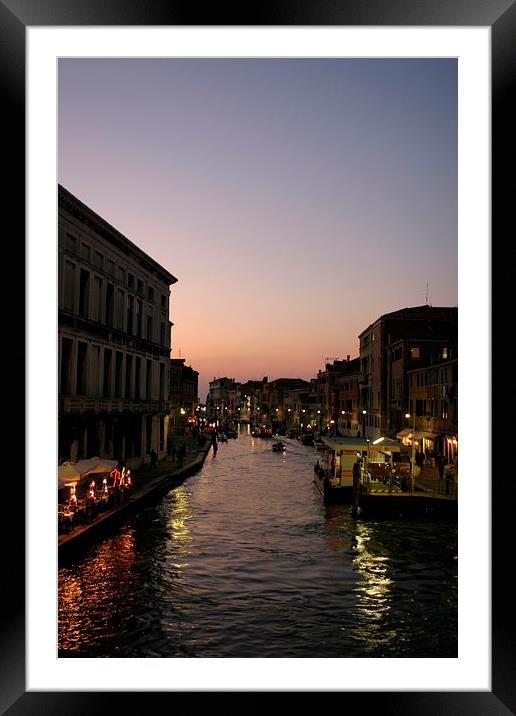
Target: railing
point(86, 404)
point(381, 476)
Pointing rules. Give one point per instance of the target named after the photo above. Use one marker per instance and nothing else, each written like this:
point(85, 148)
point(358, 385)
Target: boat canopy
point(387, 443)
point(340, 444)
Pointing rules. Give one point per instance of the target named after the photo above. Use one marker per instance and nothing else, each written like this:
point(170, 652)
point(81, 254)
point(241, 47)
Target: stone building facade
point(433, 405)
point(348, 392)
point(393, 345)
point(114, 338)
point(184, 382)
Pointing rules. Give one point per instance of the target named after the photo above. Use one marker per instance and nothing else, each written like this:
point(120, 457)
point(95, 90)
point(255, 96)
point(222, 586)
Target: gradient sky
point(295, 200)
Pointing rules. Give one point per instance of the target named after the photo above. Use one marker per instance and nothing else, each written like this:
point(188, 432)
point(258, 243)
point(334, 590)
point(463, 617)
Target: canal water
point(245, 560)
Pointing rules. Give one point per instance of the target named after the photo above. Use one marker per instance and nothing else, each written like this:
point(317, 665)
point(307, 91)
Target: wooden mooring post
point(356, 487)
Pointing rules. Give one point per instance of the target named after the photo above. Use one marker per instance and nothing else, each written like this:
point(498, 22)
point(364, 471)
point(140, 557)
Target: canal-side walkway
point(429, 481)
point(148, 483)
point(431, 495)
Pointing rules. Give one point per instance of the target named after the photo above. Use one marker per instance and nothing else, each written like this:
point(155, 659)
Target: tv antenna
point(428, 301)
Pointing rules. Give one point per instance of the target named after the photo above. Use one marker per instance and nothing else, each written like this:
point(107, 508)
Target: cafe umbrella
point(69, 473)
point(100, 465)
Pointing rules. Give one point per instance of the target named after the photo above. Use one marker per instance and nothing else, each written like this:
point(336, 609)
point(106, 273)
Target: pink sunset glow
point(296, 201)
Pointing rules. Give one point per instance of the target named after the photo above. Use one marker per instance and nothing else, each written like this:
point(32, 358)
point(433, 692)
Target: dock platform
point(430, 495)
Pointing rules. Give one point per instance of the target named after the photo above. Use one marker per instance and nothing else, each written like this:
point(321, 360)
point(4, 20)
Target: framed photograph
point(36, 38)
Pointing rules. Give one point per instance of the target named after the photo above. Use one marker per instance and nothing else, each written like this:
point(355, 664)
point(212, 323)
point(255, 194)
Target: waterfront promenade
point(148, 483)
point(429, 481)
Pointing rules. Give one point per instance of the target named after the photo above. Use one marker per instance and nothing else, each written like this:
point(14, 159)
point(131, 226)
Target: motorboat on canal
point(279, 447)
point(264, 431)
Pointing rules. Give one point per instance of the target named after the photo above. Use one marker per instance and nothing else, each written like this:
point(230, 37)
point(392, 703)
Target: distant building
point(249, 400)
point(113, 340)
point(273, 397)
point(221, 396)
point(390, 347)
point(348, 403)
point(183, 395)
point(327, 382)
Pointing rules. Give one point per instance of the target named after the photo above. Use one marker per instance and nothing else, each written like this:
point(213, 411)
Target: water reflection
point(180, 534)
point(373, 592)
point(244, 560)
point(96, 597)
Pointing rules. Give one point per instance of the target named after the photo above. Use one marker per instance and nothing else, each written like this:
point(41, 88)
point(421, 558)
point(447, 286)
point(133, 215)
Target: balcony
point(79, 405)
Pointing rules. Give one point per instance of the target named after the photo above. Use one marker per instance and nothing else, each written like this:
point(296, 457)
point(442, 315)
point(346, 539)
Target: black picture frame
point(15, 17)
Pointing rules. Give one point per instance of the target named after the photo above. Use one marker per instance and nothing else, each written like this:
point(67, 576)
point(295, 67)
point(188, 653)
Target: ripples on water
point(245, 560)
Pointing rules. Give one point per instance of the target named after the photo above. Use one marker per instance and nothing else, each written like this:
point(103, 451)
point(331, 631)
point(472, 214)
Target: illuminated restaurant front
point(428, 443)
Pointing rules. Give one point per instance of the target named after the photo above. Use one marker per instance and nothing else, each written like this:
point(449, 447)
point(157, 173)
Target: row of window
point(367, 399)
point(132, 437)
point(98, 300)
point(366, 340)
point(373, 421)
point(90, 370)
point(97, 259)
point(434, 377)
point(348, 425)
point(431, 408)
point(350, 385)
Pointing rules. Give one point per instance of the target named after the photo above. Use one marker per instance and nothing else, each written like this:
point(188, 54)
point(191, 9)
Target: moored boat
point(377, 460)
point(262, 432)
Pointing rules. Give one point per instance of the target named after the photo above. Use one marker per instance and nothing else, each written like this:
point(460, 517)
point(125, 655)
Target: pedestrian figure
point(448, 482)
point(440, 466)
point(214, 441)
point(154, 458)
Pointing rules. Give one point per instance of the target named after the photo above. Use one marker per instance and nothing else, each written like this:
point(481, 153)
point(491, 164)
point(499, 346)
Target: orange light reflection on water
point(90, 594)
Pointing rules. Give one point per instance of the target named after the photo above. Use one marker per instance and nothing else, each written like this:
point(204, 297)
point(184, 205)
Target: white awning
point(418, 434)
point(403, 433)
